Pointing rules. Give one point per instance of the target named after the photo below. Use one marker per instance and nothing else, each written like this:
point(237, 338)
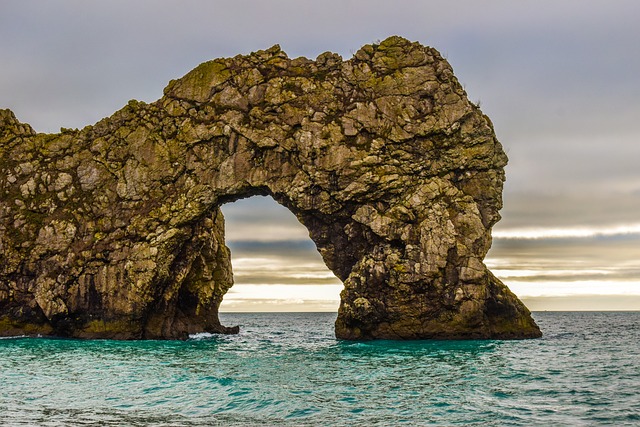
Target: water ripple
point(287, 369)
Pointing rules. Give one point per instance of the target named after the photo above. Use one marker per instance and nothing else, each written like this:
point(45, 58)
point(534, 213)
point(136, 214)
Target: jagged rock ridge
point(115, 231)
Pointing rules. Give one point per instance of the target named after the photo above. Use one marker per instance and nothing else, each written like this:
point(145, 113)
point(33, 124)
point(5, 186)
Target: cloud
point(611, 254)
point(558, 79)
point(560, 206)
point(568, 232)
point(583, 303)
point(283, 269)
point(281, 298)
point(542, 267)
point(591, 287)
point(305, 249)
point(261, 219)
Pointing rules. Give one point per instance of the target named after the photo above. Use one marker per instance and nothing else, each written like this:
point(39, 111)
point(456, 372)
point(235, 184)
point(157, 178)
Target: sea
point(287, 369)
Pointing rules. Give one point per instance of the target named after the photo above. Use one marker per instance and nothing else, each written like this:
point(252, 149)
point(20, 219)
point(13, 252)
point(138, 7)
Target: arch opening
point(276, 265)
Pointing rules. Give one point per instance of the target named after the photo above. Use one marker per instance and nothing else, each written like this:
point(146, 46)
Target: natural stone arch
point(115, 230)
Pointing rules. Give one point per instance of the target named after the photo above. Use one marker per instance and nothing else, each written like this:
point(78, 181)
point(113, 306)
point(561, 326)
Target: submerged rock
point(115, 230)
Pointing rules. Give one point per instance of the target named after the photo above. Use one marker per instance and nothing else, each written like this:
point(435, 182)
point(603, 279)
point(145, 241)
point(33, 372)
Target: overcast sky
point(559, 79)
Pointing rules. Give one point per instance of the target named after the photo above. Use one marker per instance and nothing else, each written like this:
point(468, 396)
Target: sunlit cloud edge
point(569, 232)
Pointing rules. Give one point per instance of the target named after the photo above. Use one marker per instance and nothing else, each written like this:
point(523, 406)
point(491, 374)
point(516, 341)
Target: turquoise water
point(287, 369)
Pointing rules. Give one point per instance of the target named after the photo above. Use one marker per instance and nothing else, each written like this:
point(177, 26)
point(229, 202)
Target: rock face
point(115, 231)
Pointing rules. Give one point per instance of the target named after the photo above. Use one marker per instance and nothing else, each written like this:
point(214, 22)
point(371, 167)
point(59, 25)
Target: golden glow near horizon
point(567, 232)
point(277, 268)
point(279, 297)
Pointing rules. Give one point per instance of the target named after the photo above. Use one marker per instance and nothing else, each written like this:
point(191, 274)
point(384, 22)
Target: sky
point(559, 79)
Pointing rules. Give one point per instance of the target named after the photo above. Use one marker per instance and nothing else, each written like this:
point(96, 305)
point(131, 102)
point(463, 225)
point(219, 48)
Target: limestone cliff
point(115, 231)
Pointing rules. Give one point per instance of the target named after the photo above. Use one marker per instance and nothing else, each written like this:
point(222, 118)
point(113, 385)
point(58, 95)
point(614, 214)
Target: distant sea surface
point(287, 369)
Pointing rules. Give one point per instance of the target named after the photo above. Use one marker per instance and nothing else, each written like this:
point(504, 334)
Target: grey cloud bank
point(558, 79)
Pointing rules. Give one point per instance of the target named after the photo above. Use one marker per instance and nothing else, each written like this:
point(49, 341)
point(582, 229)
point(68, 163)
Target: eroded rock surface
point(115, 231)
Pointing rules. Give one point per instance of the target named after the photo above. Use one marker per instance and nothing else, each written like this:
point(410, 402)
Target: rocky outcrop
point(115, 231)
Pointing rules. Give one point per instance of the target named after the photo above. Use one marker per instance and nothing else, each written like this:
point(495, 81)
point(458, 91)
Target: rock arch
point(115, 230)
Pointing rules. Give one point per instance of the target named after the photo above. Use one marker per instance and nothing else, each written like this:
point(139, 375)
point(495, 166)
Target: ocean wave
point(201, 336)
point(14, 337)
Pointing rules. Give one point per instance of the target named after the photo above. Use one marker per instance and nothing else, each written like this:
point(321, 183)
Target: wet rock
point(115, 231)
